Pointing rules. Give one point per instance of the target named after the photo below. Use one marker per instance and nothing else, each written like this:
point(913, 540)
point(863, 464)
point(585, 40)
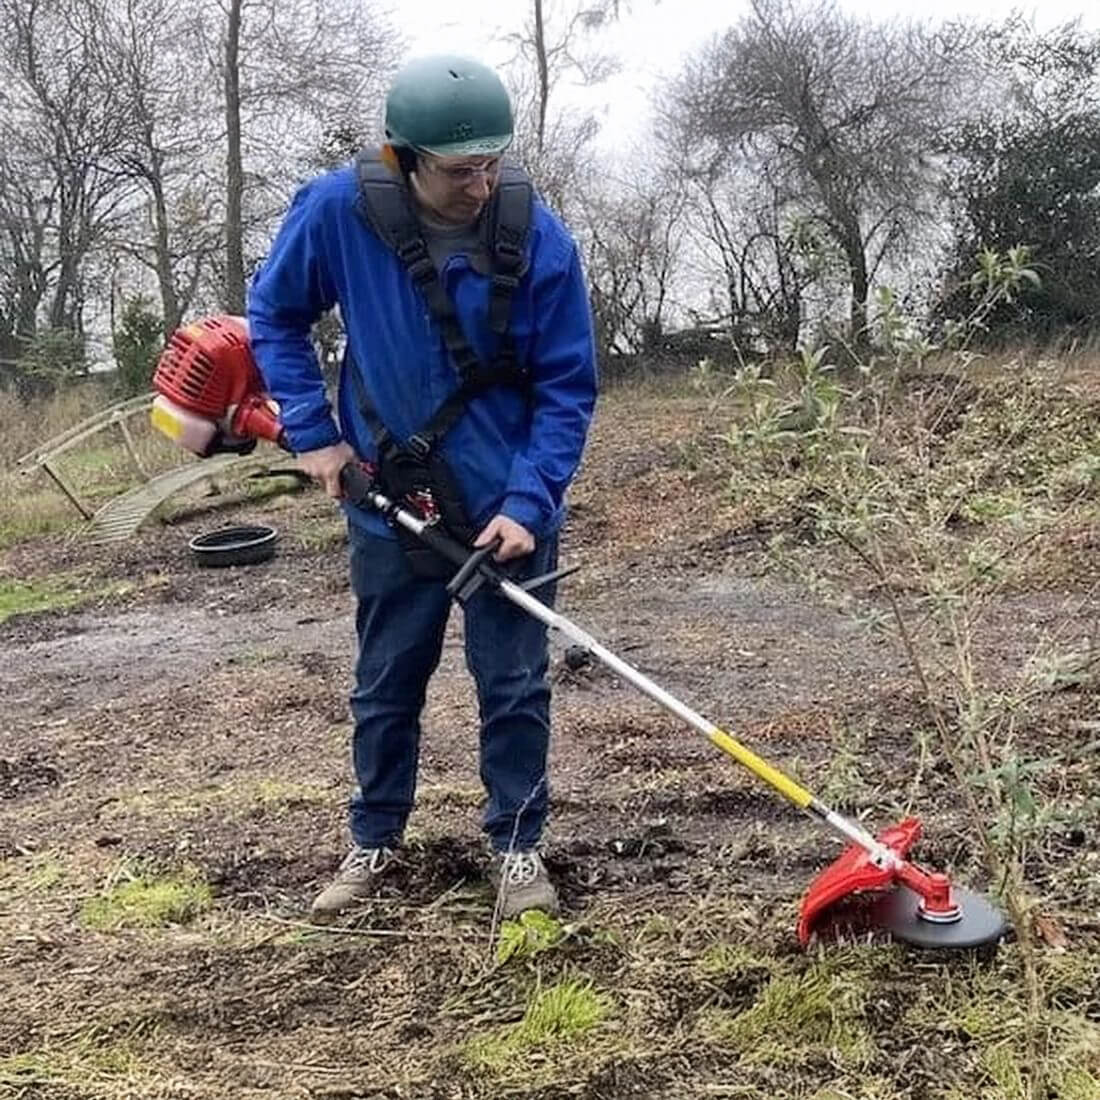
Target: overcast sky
point(653, 39)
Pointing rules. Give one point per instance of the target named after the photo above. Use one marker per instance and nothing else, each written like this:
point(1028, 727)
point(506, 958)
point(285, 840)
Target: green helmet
point(450, 106)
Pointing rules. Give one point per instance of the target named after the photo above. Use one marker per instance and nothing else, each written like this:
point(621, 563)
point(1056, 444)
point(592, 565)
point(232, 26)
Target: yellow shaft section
point(761, 768)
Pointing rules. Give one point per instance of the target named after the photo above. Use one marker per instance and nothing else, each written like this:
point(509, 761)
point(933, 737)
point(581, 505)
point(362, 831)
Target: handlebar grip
point(358, 483)
point(476, 562)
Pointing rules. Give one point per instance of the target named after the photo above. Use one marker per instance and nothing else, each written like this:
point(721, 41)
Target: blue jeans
point(400, 623)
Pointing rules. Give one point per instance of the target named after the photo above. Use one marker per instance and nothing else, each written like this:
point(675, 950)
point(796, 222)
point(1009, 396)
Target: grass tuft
point(558, 1014)
point(19, 878)
point(820, 1010)
point(93, 1063)
point(27, 515)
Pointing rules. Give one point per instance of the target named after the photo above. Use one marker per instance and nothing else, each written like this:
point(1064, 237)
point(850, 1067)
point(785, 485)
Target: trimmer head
point(899, 913)
point(916, 907)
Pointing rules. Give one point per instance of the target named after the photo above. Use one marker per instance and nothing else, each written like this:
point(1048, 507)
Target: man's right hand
point(324, 465)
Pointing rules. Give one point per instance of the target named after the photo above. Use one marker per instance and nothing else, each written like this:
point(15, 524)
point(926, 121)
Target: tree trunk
point(62, 305)
point(544, 73)
point(234, 184)
point(851, 241)
point(171, 314)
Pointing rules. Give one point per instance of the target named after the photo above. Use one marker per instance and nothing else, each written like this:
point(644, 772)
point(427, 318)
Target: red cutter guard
point(916, 906)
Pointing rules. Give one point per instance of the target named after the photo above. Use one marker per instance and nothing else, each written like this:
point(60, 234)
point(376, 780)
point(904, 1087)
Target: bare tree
point(70, 131)
point(289, 71)
point(849, 113)
point(776, 265)
point(174, 231)
point(23, 254)
point(234, 165)
point(632, 247)
point(555, 45)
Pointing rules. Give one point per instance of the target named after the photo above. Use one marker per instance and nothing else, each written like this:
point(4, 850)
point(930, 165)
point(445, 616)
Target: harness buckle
point(504, 284)
point(420, 445)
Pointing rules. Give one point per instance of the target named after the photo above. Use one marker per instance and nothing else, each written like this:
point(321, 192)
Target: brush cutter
point(916, 906)
point(203, 369)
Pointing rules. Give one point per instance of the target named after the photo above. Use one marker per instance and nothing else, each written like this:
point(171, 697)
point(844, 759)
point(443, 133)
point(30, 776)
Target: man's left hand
point(515, 539)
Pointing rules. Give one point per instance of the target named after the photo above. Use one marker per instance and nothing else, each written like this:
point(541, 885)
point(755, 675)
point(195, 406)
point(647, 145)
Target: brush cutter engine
point(211, 398)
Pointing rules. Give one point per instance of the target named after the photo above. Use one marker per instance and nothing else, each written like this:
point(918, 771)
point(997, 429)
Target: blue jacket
point(508, 456)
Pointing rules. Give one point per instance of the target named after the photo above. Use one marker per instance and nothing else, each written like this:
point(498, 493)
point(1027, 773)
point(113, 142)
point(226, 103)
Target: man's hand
point(324, 465)
point(515, 539)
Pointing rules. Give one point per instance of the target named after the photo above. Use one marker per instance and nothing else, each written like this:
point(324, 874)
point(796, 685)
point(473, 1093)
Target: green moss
point(323, 535)
point(1003, 1066)
point(1078, 1084)
point(145, 902)
point(19, 597)
point(51, 594)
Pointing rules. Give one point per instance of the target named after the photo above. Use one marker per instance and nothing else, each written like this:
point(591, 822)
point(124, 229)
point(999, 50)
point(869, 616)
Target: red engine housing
point(207, 368)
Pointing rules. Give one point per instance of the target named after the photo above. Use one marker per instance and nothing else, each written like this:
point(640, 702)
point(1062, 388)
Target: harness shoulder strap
point(385, 204)
point(510, 225)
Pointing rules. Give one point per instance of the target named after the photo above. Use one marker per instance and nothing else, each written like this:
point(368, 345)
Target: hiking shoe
point(354, 882)
point(522, 882)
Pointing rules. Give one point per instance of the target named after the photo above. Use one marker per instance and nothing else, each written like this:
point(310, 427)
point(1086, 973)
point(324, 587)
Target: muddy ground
point(194, 721)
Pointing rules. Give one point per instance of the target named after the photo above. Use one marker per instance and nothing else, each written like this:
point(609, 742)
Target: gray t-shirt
point(445, 240)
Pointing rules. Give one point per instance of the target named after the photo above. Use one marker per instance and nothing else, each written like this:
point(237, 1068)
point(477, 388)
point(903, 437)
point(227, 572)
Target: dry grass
point(29, 423)
point(30, 503)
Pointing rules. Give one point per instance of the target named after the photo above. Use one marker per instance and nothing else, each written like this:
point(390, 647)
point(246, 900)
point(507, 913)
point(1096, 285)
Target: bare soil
point(196, 719)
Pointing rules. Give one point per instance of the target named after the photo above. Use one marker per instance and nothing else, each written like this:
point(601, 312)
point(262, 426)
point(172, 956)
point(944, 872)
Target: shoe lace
point(370, 859)
point(521, 868)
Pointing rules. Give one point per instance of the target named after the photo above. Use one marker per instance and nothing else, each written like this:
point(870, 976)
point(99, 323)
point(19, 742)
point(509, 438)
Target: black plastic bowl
point(234, 546)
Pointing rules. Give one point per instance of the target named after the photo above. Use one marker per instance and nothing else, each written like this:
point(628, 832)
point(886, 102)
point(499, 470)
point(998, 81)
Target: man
point(514, 319)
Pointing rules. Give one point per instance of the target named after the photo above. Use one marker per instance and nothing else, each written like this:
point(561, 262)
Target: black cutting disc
point(981, 922)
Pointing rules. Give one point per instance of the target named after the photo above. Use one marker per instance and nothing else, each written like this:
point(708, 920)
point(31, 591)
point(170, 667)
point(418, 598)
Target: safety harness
point(412, 470)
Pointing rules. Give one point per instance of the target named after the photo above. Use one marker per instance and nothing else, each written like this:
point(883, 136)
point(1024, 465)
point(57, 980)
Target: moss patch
point(52, 594)
point(19, 597)
point(147, 902)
